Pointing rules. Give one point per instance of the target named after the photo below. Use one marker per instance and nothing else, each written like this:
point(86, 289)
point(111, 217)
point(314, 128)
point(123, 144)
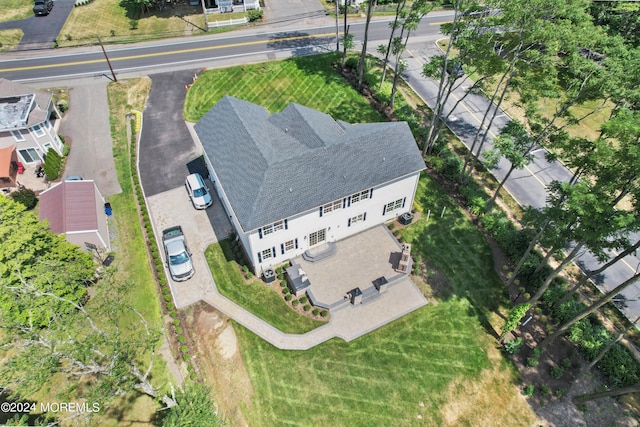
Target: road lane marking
point(173, 52)
point(463, 104)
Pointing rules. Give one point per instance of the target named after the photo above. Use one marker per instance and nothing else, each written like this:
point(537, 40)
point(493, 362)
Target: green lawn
point(308, 80)
point(9, 39)
point(381, 378)
point(265, 302)
point(113, 23)
point(12, 10)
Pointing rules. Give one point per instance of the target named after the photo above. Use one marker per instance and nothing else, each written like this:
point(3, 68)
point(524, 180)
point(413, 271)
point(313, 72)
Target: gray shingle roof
point(275, 166)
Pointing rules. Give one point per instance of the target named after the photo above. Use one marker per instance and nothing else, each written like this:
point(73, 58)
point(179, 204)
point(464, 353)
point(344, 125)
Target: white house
point(25, 121)
point(292, 180)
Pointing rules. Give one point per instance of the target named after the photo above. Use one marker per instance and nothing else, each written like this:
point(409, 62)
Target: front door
point(317, 237)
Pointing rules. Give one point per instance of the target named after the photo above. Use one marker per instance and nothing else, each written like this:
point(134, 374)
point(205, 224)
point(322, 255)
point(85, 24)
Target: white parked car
point(177, 254)
point(198, 191)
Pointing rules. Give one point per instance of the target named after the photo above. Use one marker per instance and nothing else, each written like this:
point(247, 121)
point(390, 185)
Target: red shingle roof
point(70, 206)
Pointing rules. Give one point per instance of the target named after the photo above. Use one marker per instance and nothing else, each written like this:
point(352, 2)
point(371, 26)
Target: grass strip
point(265, 302)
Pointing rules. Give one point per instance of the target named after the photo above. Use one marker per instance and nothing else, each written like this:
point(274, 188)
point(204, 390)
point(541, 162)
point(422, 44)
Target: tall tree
point(635, 388)
point(419, 8)
point(371, 4)
point(588, 311)
point(104, 355)
point(31, 252)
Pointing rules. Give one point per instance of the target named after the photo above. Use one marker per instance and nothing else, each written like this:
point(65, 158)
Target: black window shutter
point(259, 257)
point(404, 200)
point(273, 251)
point(286, 225)
point(260, 232)
point(344, 203)
point(349, 223)
point(384, 209)
point(371, 193)
point(320, 210)
point(296, 243)
point(364, 217)
point(349, 201)
point(282, 248)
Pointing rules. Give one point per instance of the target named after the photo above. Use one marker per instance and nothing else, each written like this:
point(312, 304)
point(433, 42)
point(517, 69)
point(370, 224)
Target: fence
point(228, 22)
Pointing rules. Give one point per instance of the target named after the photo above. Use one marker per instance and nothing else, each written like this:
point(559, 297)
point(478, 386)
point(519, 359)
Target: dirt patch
point(219, 361)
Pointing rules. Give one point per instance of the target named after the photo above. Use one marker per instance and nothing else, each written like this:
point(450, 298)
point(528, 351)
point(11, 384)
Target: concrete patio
point(356, 263)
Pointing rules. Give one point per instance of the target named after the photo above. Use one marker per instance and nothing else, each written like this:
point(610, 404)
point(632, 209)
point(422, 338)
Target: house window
point(357, 218)
point(330, 207)
point(37, 129)
point(48, 125)
point(29, 155)
point(267, 253)
point(394, 205)
point(317, 237)
point(272, 228)
point(289, 245)
point(360, 196)
point(17, 135)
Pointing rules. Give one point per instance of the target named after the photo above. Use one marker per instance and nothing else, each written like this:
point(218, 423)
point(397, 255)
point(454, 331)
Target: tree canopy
point(31, 253)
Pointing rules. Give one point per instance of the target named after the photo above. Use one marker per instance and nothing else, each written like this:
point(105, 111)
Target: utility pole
point(115, 79)
point(337, 30)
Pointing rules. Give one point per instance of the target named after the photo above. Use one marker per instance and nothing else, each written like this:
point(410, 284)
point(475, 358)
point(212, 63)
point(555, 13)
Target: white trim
point(17, 135)
point(38, 128)
point(36, 160)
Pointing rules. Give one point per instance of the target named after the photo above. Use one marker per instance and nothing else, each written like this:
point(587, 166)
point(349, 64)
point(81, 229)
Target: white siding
point(335, 223)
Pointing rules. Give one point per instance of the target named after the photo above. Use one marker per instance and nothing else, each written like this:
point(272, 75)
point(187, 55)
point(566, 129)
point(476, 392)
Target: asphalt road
point(262, 43)
point(40, 32)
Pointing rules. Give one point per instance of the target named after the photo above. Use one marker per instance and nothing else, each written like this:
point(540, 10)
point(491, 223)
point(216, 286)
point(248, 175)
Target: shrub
point(63, 106)
point(280, 276)
point(307, 307)
point(133, 24)
point(620, 366)
point(181, 339)
point(557, 371)
point(179, 331)
point(187, 357)
point(566, 363)
point(316, 312)
point(283, 283)
point(559, 393)
point(249, 275)
point(245, 269)
point(25, 197)
point(295, 302)
point(352, 63)
point(285, 291)
point(513, 346)
point(532, 362)
point(303, 300)
point(176, 322)
point(184, 349)
point(52, 165)
point(65, 150)
point(193, 376)
point(167, 298)
point(323, 313)
point(529, 390)
point(173, 313)
point(254, 15)
point(288, 297)
point(545, 390)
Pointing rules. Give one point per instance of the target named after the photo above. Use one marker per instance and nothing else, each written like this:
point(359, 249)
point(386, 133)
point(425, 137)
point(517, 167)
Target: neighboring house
point(298, 178)
point(25, 120)
point(76, 209)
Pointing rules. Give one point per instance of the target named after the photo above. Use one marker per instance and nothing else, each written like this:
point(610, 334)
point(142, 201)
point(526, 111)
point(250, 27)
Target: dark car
point(42, 7)
point(455, 70)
